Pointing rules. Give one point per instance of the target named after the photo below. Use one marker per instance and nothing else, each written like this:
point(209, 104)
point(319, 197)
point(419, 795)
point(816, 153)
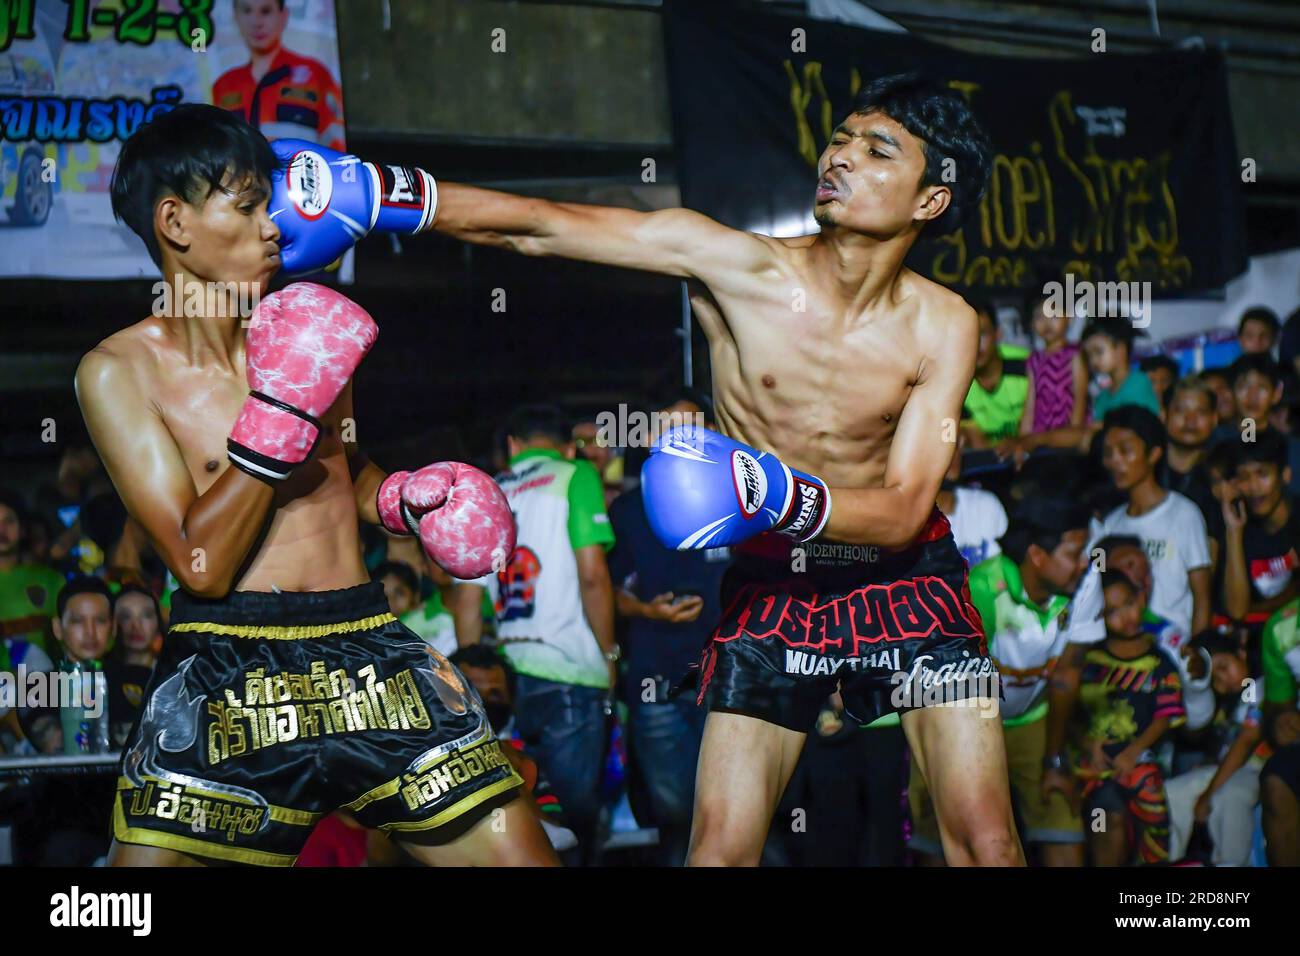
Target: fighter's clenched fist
point(304, 343)
point(459, 513)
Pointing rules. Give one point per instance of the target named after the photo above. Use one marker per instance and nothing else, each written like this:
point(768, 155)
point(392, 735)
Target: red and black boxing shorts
point(267, 711)
point(892, 630)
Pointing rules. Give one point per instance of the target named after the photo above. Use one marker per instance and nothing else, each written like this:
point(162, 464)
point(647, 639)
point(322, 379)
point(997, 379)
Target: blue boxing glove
point(705, 490)
point(324, 201)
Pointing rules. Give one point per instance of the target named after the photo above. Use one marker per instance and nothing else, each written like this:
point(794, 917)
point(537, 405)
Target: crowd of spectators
point(1132, 540)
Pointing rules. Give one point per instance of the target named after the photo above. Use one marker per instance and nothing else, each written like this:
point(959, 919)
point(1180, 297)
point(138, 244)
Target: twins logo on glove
point(705, 490)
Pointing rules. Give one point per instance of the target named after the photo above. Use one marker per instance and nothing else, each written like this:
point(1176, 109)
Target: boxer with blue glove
point(843, 374)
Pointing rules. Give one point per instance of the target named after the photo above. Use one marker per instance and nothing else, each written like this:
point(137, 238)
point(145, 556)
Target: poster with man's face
point(77, 79)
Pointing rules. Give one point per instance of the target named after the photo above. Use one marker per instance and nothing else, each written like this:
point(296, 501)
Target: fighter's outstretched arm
point(203, 539)
point(676, 242)
point(921, 451)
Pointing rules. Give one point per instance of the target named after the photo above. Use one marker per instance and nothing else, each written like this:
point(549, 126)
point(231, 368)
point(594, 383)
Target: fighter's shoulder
point(114, 365)
point(943, 318)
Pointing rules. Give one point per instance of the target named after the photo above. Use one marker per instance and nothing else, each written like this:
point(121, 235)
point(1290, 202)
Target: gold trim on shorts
point(174, 841)
point(283, 632)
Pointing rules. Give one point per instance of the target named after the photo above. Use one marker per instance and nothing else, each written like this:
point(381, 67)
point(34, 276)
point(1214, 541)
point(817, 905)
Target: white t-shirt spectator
point(1174, 535)
point(978, 520)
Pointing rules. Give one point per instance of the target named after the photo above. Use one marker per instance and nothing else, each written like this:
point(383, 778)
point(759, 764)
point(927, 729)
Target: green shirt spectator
point(996, 410)
point(1134, 390)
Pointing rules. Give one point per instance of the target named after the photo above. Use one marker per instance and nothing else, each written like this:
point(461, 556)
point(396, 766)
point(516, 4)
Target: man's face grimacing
point(869, 179)
point(261, 23)
point(1062, 567)
point(227, 237)
point(86, 627)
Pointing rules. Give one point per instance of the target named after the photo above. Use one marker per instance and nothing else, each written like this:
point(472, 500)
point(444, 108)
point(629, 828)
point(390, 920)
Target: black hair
point(672, 394)
point(1260, 313)
point(540, 421)
point(1041, 521)
point(1118, 330)
point(1152, 362)
point(983, 306)
point(948, 130)
point(1268, 448)
point(400, 570)
point(82, 584)
point(1222, 457)
point(1110, 577)
point(1112, 541)
point(14, 502)
point(190, 152)
point(1141, 421)
point(1214, 641)
point(1216, 372)
point(1260, 362)
point(485, 658)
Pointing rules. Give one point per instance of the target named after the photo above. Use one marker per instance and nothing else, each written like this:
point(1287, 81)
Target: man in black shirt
point(1262, 530)
point(1190, 418)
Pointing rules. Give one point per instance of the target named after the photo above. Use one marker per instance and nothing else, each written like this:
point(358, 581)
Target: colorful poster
point(78, 77)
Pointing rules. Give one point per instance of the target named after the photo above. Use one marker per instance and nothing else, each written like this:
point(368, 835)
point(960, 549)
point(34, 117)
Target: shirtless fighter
point(862, 386)
point(285, 689)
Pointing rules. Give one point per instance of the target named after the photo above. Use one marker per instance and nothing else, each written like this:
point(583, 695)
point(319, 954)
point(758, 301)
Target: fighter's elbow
point(202, 583)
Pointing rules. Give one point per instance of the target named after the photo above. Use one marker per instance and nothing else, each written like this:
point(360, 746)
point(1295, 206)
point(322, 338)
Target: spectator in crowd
point(555, 609)
point(1223, 795)
point(1169, 525)
point(27, 591)
point(1022, 595)
point(1280, 777)
point(1261, 533)
point(1108, 345)
point(671, 602)
point(1225, 406)
point(1258, 331)
point(1127, 554)
point(401, 586)
point(496, 683)
point(1256, 391)
point(137, 622)
point(1190, 419)
point(80, 477)
point(996, 400)
point(604, 457)
point(75, 811)
point(976, 516)
point(84, 630)
point(1132, 697)
point(1289, 345)
point(37, 538)
point(1058, 376)
point(1162, 372)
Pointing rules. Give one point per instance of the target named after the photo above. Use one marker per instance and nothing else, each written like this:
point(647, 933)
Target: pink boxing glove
point(304, 343)
point(460, 514)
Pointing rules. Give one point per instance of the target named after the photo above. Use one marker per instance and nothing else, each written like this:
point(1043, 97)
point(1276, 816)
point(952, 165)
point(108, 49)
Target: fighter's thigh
point(132, 854)
point(961, 752)
point(745, 764)
point(510, 836)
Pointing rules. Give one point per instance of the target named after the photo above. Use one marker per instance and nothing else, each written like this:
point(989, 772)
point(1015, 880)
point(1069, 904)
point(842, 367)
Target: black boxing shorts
point(266, 711)
point(891, 630)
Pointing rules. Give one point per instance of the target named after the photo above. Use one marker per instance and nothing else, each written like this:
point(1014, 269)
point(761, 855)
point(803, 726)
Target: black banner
point(1114, 167)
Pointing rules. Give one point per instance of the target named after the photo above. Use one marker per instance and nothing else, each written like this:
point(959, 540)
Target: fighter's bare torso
point(801, 369)
point(311, 542)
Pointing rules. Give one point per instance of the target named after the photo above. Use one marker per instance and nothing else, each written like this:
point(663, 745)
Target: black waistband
point(281, 608)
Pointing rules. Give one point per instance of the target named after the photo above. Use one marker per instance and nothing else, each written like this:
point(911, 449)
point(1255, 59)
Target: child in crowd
point(1223, 795)
point(1058, 378)
point(1132, 695)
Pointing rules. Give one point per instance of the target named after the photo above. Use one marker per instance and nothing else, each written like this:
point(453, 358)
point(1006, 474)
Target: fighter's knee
point(983, 840)
point(717, 841)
